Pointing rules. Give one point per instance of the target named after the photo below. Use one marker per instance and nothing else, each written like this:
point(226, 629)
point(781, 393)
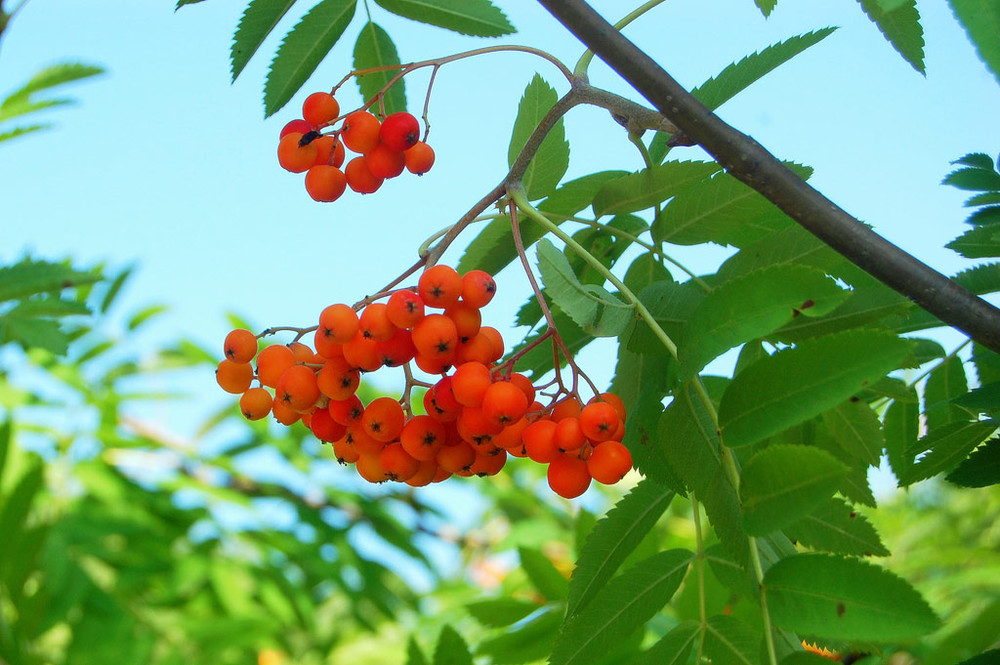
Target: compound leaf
point(480, 18)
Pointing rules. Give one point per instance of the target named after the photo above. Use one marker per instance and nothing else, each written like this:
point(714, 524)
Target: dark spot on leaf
point(807, 304)
point(853, 515)
point(855, 399)
point(841, 609)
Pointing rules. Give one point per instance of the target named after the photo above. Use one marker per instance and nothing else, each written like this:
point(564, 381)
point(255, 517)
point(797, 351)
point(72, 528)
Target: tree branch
point(749, 162)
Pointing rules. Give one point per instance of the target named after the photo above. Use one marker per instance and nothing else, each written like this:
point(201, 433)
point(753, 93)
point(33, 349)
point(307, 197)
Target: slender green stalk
point(588, 55)
point(702, 613)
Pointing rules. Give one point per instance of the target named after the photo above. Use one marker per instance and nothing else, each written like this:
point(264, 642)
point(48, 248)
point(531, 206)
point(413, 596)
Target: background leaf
point(901, 27)
point(981, 20)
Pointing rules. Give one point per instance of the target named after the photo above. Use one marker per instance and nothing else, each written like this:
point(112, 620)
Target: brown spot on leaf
point(841, 609)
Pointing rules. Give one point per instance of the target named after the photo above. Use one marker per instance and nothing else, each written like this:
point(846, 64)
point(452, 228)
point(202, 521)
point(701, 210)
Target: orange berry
point(337, 379)
point(329, 151)
point(398, 350)
point(398, 464)
point(298, 125)
point(504, 403)
point(297, 388)
point(456, 458)
point(478, 349)
point(467, 320)
point(609, 462)
point(360, 132)
point(474, 427)
point(362, 442)
point(425, 475)
point(568, 476)
point(489, 464)
point(272, 361)
point(360, 178)
point(569, 435)
point(470, 382)
point(346, 411)
point(362, 353)
point(283, 413)
point(240, 345)
point(255, 403)
point(383, 419)
point(405, 308)
point(400, 131)
point(478, 288)
point(612, 399)
point(234, 377)
point(496, 339)
point(293, 155)
point(568, 407)
point(338, 323)
point(302, 353)
point(320, 108)
point(344, 450)
point(432, 365)
point(419, 158)
point(511, 436)
point(422, 437)
point(375, 323)
point(539, 441)
point(370, 468)
point(325, 183)
point(436, 337)
point(598, 421)
point(326, 428)
point(525, 384)
point(384, 162)
point(440, 401)
point(440, 286)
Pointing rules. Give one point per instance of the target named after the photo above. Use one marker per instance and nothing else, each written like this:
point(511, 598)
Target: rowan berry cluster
point(477, 411)
point(384, 148)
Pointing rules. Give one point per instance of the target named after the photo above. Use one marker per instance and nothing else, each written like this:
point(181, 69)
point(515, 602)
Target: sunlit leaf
point(374, 48)
point(545, 577)
point(258, 20)
point(500, 612)
point(468, 17)
point(551, 159)
point(948, 446)
point(834, 526)
point(451, 649)
point(901, 28)
point(650, 187)
point(730, 641)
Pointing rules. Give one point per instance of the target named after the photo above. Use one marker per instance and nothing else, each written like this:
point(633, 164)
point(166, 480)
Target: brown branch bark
point(748, 161)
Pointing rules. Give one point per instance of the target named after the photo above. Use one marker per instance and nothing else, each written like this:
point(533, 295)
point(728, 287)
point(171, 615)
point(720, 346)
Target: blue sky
point(166, 165)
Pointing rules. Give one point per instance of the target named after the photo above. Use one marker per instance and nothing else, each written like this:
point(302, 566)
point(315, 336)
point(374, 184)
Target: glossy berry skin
point(419, 158)
point(360, 178)
point(609, 462)
point(568, 476)
point(295, 156)
point(360, 132)
point(325, 183)
point(400, 131)
point(241, 345)
point(320, 108)
point(298, 125)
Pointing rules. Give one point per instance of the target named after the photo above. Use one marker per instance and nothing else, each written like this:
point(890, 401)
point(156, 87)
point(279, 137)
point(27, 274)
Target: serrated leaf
point(790, 246)
point(626, 603)
point(500, 612)
point(258, 20)
point(864, 306)
point(650, 187)
point(793, 385)
point(544, 576)
point(856, 429)
point(980, 469)
point(451, 649)
point(648, 373)
point(21, 131)
point(978, 243)
point(303, 48)
point(674, 647)
point(51, 77)
point(595, 310)
point(783, 483)
point(980, 160)
point(468, 17)
point(414, 655)
point(691, 443)
point(901, 28)
point(766, 6)
point(753, 306)
point(835, 527)
point(946, 382)
point(34, 333)
point(974, 179)
point(721, 210)
point(730, 641)
point(29, 277)
point(551, 160)
point(948, 446)
point(614, 537)
point(374, 48)
point(839, 598)
point(982, 400)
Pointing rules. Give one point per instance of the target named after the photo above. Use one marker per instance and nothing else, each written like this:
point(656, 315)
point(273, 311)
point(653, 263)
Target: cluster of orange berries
point(385, 148)
point(477, 412)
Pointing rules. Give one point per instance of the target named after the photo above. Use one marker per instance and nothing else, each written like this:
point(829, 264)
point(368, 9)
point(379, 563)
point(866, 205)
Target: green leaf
point(783, 483)
point(143, 315)
point(985, 658)
point(500, 612)
point(981, 468)
point(303, 48)
point(753, 306)
point(414, 655)
point(766, 6)
point(374, 48)
point(595, 310)
point(258, 20)
point(29, 277)
point(5, 431)
point(865, 305)
point(49, 77)
point(948, 446)
point(544, 576)
point(730, 641)
point(837, 598)
point(901, 28)
point(835, 527)
point(613, 539)
point(789, 246)
point(674, 647)
point(691, 443)
point(980, 160)
point(641, 438)
point(946, 382)
point(796, 384)
point(468, 17)
point(857, 430)
point(451, 649)
point(527, 643)
point(650, 187)
point(17, 502)
point(34, 333)
point(974, 179)
point(551, 160)
point(626, 603)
